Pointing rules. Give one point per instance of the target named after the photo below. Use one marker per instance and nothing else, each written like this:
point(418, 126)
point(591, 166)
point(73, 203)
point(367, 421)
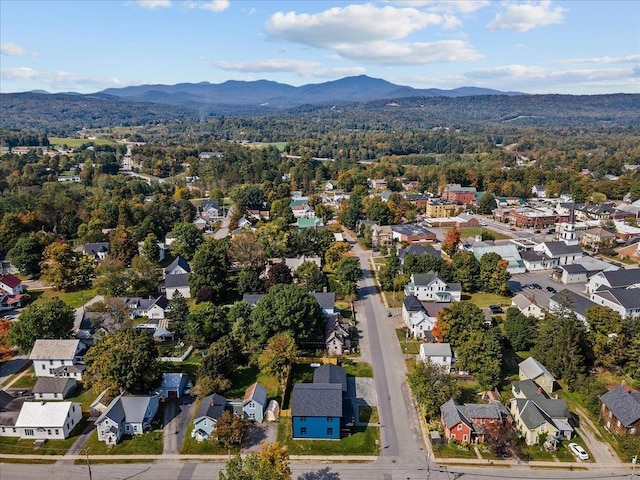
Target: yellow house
point(531, 369)
point(441, 208)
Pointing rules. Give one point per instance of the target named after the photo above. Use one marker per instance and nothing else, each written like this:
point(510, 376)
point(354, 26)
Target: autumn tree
point(278, 274)
point(247, 251)
point(231, 429)
point(501, 439)
point(64, 268)
point(455, 323)
point(50, 319)
point(124, 360)
point(494, 276)
point(451, 241)
point(122, 245)
point(278, 356)
point(271, 463)
point(5, 344)
point(335, 253)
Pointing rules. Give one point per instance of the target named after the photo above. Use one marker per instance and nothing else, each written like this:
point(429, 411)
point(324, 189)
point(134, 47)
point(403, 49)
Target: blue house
point(316, 410)
point(211, 409)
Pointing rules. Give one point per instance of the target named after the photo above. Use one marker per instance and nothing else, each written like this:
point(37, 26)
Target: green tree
point(271, 463)
point(26, 255)
point(335, 253)
point(494, 276)
point(311, 277)
point(432, 386)
point(124, 360)
point(347, 272)
point(187, 240)
point(427, 263)
point(520, 330)
point(65, 269)
point(111, 281)
point(249, 281)
point(377, 210)
point(210, 266)
point(389, 271)
point(49, 319)
point(221, 359)
point(150, 249)
point(206, 323)
point(466, 270)
point(287, 308)
point(487, 203)
point(278, 357)
point(122, 245)
point(177, 315)
point(481, 355)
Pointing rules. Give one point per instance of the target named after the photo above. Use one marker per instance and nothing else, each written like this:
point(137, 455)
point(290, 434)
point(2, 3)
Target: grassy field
point(394, 299)
point(483, 300)
point(146, 444)
point(368, 414)
point(358, 369)
point(28, 380)
point(362, 441)
point(473, 231)
point(73, 299)
point(279, 145)
point(77, 142)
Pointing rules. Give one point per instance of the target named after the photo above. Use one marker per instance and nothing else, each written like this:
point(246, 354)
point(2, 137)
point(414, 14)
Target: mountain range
point(278, 95)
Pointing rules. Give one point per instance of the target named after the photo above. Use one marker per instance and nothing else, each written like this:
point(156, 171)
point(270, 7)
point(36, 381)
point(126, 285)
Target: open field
point(77, 142)
point(473, 231)
point(73, 299)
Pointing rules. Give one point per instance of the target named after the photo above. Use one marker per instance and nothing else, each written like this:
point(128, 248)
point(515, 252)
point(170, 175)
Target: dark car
point(536, 231)
point(551, 289)
point(536, 286)
point(495, 308)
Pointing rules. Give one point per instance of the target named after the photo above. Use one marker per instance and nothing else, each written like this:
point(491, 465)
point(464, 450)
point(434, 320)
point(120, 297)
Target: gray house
point(126, 415)
point(53, 388)
point(254, 402)
point(211, 409)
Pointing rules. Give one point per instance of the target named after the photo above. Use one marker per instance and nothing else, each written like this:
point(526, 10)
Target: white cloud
point(59, 79)
point(301, 68)
point(153, 4)
point(215, 6)
point(11, 49)
point(600, 60)
point(527, 16)
point(420, 53)
point(353, 24)
point(466, 6)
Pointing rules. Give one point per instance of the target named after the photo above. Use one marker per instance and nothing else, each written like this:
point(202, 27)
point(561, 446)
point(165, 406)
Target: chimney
point(324, 289)
point(539, 390)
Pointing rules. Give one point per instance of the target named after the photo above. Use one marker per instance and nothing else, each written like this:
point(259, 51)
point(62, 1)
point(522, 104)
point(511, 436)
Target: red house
point(465, 423)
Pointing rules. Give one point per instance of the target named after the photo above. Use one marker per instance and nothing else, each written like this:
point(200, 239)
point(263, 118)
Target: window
point(543, 427)
point(57, 431)
point(459, 427)
point(632, 430)
point(464, 437)
point(43, 367)
point(28, 432)
point(55, 395)
point(329, 431)
point(50, 362)
point(329, 419)
point(303, 431)
point(303, 419)
point(48, 431)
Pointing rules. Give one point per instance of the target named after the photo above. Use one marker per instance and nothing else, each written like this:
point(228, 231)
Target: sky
point(565, 47)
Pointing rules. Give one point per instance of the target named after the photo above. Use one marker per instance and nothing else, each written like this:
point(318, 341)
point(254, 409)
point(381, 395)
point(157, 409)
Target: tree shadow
point(322, 474)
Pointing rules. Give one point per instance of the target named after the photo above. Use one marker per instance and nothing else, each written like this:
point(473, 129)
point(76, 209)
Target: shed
point(272, 413)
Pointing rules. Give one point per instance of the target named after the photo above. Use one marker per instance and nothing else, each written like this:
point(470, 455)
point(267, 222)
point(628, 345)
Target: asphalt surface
point(177, 413)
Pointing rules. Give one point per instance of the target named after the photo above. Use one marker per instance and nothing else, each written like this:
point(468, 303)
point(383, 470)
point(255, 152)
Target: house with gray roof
point(316, 410)
point(173, 385)
point(622, 278)
point(527, 306)
point(625, 301)
point(466, 423)
point(531, 369)
point(429, 287)
point(10, 407)
point(508, 252)
point(416, 249)
point(437, 353)
point(536, 416)
point(560, 252)
point(53, 388)
point(58, 358)
point(211, 409)
point(331, 374)
point(178, 282)
point(126, 415)
point(620, 411)
point(98, 251)
point(254, 402)
point(178, 267)
point(574, 302)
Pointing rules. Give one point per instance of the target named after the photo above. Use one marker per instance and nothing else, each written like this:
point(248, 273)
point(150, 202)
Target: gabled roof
point(52, 384)
point(130, 407)
point(331, 374)
point(316, 400)
point(622, 278)
point(179, 261)
point(45, 414)
point(435, 350)
point(412, 304)
point(560, 249)
point(326, 300)
point(521, 301)
point(211, 406)
point(96, 248)
point(452, 415)
point(433, 308)
point(624, 405)
point(628, 298)
point(577, 302)
point(172, 381)
point(534, 369)
point(573, 268)
point(177, 280)
point(256, 393)
point(54, 349)
point(424, 278)
point(530, 415)
point(529, 389)
point(10, 281)
point(417, 249)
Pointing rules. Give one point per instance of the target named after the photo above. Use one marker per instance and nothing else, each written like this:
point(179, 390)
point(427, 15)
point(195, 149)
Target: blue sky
point(571, 47)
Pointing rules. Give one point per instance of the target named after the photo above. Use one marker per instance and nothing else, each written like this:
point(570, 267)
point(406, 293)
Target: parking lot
point(543, 279)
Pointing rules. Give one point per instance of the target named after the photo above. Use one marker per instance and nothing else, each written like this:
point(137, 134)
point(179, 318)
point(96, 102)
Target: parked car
point(536, 286)
point(551, 289)
point(536, 231)
point(578, 451)
point(495, 308)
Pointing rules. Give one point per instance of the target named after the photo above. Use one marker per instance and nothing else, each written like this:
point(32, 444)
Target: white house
point(415, 317)
point(47, 420)
point(178, 267)
point(561, 252)
point(177, 283)
point(429, 287)
point(11, 284)
point(437, 353)
point(57, 358)
point(126, 415)
point(614, 279)
point(53, 388)
point(527, 306)
point(625, 301)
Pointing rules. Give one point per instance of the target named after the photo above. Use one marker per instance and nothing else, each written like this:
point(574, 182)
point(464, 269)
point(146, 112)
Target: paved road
point(401, 438)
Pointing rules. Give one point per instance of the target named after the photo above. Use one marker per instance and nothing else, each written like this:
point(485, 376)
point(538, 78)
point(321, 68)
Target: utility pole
point(86, 451)
point(634, 460)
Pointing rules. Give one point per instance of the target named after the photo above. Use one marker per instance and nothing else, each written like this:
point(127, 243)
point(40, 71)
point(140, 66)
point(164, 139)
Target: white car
point(578, 451)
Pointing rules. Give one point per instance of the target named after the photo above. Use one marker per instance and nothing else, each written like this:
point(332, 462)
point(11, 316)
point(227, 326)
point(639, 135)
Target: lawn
point(279, 145)
point(244, 377)
point(473, 231)
point(84, 396)
point(453, 450)
point(536, 452)
point(77, 142)
point(73, 299)
point(483, 300)
point(361, 442)
point(409, 345)
point(394, 299)
point(14, 445)
point(190, 446)
point(146, 444)
point(368, 414)
point(28, 380)
point(358, 369)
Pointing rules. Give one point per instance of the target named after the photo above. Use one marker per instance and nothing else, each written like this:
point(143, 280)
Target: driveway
point(177, 413)
point(601, 451)
point(258, 433)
